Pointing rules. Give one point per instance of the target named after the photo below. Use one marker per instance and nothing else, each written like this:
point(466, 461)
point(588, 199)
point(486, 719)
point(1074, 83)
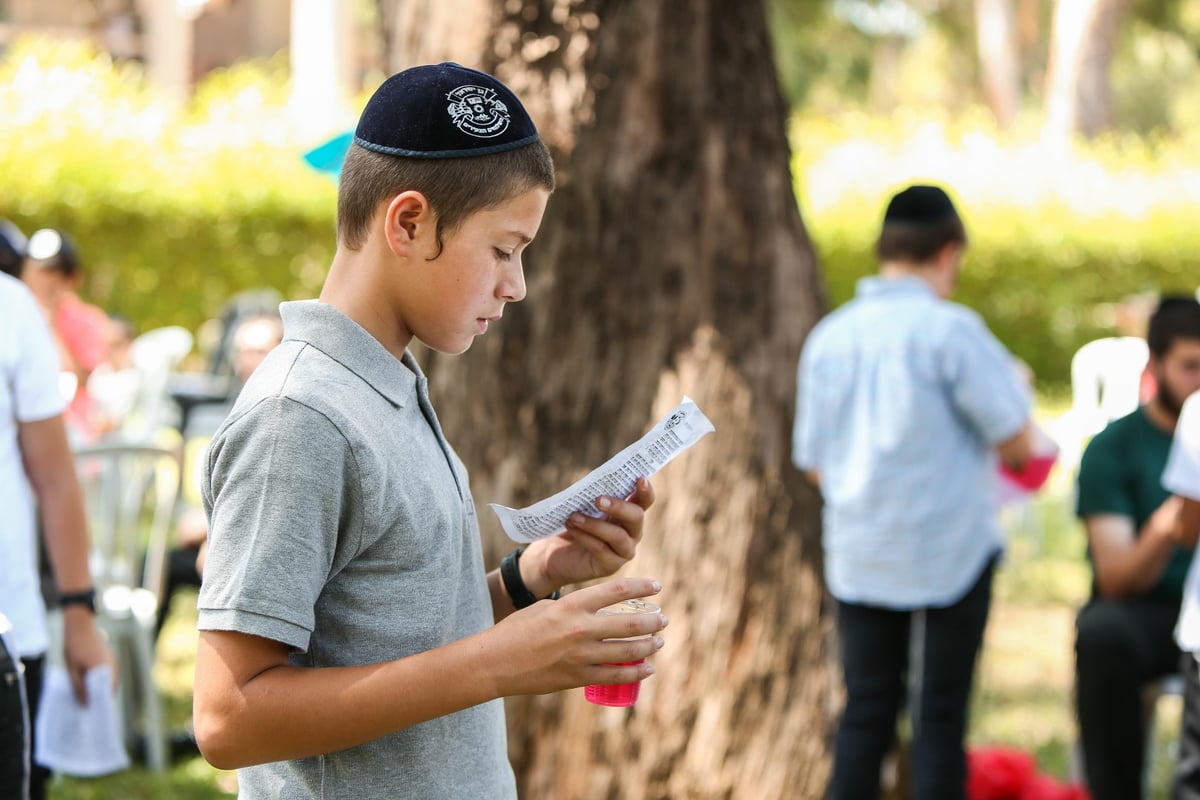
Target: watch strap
point(85, 598)
point(514, 584)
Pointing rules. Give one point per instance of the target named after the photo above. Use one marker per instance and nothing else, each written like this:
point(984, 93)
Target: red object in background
point(1033, 475)
point(999, 773)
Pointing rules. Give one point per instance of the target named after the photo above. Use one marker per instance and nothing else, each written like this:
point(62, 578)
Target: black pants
point(20, 691)
point(875, 650)
point(14, 728)
point(1120, 646)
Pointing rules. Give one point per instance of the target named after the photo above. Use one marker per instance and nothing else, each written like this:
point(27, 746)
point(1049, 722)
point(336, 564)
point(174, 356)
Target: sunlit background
point(168, 139)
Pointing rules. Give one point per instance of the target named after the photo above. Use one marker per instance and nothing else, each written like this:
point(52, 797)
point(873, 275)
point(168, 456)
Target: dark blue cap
point(443, 111)
point(919, 205)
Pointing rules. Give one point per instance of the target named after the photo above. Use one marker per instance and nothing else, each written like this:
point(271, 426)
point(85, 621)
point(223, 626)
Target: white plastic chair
point(156, 354)
point(1106, 378)
point(130, 492)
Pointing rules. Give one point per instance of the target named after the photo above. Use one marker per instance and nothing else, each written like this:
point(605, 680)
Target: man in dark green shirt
point(1124, 635)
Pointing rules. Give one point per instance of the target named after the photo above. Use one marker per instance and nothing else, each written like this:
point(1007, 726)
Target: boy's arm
point(251, 706)
point(1126, 565)
point(590, 548)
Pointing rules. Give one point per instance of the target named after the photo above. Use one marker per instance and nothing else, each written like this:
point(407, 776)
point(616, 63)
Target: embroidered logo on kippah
point(476, 110)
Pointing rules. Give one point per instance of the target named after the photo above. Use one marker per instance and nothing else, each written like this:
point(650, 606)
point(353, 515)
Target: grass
point(1023, 688)
point(190, 777)
point(1023, 695)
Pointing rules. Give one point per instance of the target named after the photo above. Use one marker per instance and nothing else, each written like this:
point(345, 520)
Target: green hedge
point(1047, 282)
point(1058, 236)
point(175, 211)
point(171, 212)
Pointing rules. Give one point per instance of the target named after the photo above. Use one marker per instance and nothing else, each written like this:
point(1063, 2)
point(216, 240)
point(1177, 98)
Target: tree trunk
point(1078, 94)
point(672, 261)
point(996, 38)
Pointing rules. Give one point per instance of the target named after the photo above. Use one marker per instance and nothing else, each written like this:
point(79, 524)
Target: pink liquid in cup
point(620, 694)
point(1033, 475)
point(614, 694)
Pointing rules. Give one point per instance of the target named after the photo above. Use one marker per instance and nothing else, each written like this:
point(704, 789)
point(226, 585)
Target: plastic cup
point(1036, 470)
point(620, 694)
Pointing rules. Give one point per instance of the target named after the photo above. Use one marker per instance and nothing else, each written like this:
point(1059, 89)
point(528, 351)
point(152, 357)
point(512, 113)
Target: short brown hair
point(919, 242)
point(455, 187)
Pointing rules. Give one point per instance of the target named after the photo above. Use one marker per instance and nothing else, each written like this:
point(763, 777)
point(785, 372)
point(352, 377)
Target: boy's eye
point(503, 256)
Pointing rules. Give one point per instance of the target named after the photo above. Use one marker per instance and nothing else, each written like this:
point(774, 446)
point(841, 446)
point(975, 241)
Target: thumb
point(78, 676)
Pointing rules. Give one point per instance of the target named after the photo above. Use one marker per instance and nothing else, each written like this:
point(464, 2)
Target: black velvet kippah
point(443, 111)
point(920, 205)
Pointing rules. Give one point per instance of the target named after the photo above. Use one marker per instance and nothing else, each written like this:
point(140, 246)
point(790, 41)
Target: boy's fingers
point(598, 535)
point(643, 494)
point(594, 598)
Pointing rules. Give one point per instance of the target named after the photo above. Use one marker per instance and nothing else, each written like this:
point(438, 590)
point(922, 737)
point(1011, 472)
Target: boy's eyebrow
point(524, 239)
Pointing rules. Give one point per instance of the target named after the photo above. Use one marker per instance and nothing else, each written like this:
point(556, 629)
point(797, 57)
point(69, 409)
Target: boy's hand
point(590, 547)
point(551, 646)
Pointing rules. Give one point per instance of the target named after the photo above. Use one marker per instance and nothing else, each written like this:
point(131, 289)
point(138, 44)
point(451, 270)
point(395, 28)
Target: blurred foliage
point(825, 62)
point(176, 209)
point(172, 210)
point(1057, 239)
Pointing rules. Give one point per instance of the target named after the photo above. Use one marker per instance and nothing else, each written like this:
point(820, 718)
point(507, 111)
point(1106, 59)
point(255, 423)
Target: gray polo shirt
point(342, 525)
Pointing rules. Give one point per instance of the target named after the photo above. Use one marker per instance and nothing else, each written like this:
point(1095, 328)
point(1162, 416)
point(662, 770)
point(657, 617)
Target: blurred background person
point(12, 248)
point(36, 463)
point(114, 384)
point(52, 271)
point(1124, 633)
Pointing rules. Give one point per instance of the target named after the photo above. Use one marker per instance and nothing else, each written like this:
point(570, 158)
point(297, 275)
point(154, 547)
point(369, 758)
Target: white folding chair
point(130, 492)
point(156, 354)
point(1106, 378)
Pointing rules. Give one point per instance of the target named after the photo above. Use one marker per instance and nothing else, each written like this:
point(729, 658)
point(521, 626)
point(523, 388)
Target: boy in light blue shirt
point(903, 399)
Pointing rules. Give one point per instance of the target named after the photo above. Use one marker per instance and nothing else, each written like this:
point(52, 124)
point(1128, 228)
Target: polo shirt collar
point(327, 329)
point(902, 285)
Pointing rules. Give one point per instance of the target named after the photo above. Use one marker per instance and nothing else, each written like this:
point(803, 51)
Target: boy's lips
point(484, 321)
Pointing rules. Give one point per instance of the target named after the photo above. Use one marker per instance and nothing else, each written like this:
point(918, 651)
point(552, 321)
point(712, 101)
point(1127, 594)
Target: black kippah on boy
point(919, 205)
point(443, 111)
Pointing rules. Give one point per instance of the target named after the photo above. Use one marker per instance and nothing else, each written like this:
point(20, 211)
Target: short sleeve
point(804, 438)
point(35, 378)
point(1182, 474)
point(278, 485)
point(1101, 481)
point(983, 380)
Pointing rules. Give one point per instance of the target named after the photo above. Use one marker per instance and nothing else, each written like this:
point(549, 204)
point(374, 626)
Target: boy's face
point(455, 296)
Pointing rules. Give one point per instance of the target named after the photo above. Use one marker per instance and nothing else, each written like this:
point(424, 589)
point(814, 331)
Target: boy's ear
point(406, 217)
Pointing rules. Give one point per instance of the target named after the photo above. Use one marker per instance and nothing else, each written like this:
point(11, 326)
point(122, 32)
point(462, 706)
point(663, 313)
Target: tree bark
point(996, 39)
point(1078, 92)
point(672, 260)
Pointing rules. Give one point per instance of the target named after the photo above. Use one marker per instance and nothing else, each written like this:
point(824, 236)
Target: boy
point(902, 399)
point(347, 644)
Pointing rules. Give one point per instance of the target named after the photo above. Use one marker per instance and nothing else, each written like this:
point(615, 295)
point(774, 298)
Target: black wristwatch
point(510, 574)
point(85, 598)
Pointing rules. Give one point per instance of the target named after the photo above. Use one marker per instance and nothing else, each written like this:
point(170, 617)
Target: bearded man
point(1124, 634)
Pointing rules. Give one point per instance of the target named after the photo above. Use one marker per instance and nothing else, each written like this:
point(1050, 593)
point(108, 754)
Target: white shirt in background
point(28, 393)
point(1182, 477)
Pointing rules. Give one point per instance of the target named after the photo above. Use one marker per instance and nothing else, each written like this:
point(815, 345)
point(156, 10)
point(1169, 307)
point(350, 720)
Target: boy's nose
point(512, 288)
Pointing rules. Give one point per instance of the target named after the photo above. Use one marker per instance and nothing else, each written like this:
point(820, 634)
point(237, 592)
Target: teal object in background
point(328, 157)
